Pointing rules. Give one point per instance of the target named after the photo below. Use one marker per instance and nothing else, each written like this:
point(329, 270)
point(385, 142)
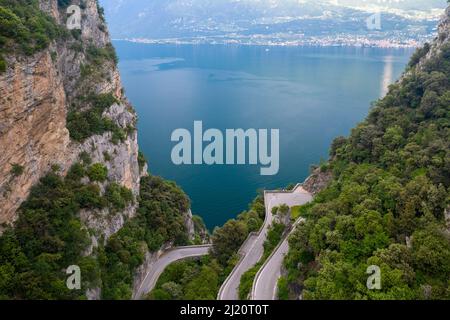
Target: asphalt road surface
point(157, 268)
point(266, 281)
point(253, 249)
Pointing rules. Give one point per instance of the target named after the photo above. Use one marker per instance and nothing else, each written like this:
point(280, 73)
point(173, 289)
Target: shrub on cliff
point(17, 169)
point(86, 123)
point(24, 28)
point(97, 172)
point(118, 196)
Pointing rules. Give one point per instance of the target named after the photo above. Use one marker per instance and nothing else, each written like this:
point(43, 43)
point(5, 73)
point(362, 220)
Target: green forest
point(386, 203)
point(49, 236)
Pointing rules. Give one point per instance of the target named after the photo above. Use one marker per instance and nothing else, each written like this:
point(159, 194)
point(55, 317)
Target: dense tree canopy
point(47, 238)
point(386, 204)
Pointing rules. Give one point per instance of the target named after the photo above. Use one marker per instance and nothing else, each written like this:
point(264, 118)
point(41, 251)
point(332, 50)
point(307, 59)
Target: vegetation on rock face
point(85, 117)
point(160, 219)
point(97, 56)
point(17, 169)
point(97, 172)
point(84, 124)
point(118, 196)
point(24, 29)
point(48, 237)
point(141, 160)
point(97, 63)
point(386, 204)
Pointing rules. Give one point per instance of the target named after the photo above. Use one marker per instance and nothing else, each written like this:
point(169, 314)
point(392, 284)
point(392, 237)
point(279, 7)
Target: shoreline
point(269, 45)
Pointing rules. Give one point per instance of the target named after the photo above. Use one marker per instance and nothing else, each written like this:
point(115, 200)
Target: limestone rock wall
point(35, 95)
point(33, 130)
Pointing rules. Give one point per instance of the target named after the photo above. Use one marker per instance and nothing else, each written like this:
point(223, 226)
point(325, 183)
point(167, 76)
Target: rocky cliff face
point(63, 110)
point(442, 38)
point(37, 92)
point(32, 127)
point(317, 181)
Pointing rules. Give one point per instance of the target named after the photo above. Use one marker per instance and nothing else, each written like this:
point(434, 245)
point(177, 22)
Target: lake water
point(311, 94)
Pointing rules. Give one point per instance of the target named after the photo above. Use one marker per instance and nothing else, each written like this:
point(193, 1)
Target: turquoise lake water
point(311, 94)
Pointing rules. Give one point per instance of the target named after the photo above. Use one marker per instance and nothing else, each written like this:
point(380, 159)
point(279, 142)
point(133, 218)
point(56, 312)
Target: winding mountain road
point(265, 286)
point(171, 256)
point(251, 252)
point(253, 249)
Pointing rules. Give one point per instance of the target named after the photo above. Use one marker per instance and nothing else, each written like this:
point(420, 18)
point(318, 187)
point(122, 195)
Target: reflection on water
point(388, 75)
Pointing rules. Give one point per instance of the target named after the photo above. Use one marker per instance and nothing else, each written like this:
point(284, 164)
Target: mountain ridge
point(261, 22)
